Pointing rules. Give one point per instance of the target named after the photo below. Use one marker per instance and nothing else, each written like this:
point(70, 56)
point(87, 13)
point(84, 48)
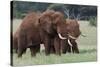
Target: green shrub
point(93, 21)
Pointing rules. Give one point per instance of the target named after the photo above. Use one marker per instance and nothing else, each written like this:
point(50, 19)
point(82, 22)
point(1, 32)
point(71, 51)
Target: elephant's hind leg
point(34, 49)
point(57, 46)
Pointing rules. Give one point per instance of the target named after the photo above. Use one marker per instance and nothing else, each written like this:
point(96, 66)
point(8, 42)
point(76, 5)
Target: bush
point(19, 15)
point(93, 21)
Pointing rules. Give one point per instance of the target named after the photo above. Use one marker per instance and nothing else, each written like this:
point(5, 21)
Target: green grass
point(87, 46)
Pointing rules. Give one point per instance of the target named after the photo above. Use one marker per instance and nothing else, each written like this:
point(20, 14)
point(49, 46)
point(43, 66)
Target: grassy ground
point(87, 46)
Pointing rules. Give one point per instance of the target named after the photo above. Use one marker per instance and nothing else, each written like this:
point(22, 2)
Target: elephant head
point(53, 22)
point(73, 28)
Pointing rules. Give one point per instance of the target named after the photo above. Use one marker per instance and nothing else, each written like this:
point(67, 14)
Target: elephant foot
point(33, 55)
point(20, 52)
point(47, 53)
point(19, 55)
point(33, 51)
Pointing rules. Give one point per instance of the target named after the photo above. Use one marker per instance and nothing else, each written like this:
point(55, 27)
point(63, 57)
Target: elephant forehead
point(48, 13)
point(57, 14)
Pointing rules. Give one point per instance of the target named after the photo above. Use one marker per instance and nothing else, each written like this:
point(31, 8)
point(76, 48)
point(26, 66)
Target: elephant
point(52, 24)
point(44, 29)
point(70, 44)
point(23, 37)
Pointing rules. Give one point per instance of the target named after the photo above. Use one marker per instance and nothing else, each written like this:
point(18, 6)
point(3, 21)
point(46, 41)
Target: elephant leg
point(16, 49)
point(69, 48)
point(52, 50)
point(38, 48)
point(57, 46)
point(63, 46)
point(47, 44)
point(21, 48)
point(33, 51)
point(21, 51)
point(47, 48)
point(15, 44)
point(22, 44)
point(64, 50)
point(75, 48)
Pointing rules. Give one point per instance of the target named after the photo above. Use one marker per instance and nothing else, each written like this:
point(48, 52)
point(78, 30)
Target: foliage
point(56, 7)
point(20, 8)
point(93, 21)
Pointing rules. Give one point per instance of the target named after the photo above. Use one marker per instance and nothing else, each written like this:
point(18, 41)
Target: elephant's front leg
point(57, 45)
point(75, 48)
point(47, 45)
point(63, 46)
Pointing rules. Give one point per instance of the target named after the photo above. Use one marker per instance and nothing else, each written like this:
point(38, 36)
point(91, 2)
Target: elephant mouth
point(72, 37)
point(61, 37)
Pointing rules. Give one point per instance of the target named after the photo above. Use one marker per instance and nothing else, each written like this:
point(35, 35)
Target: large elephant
point(28, 35)
point(53, 25)
point(70, 45)
point(36, 29)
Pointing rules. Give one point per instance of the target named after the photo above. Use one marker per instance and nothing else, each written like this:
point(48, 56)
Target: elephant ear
point(46, 21)
point(45, 15)
point(57, 17)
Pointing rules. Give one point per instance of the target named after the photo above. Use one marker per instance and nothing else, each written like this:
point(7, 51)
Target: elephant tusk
point(61, 37)
point(72, 37)
point(70, 43)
